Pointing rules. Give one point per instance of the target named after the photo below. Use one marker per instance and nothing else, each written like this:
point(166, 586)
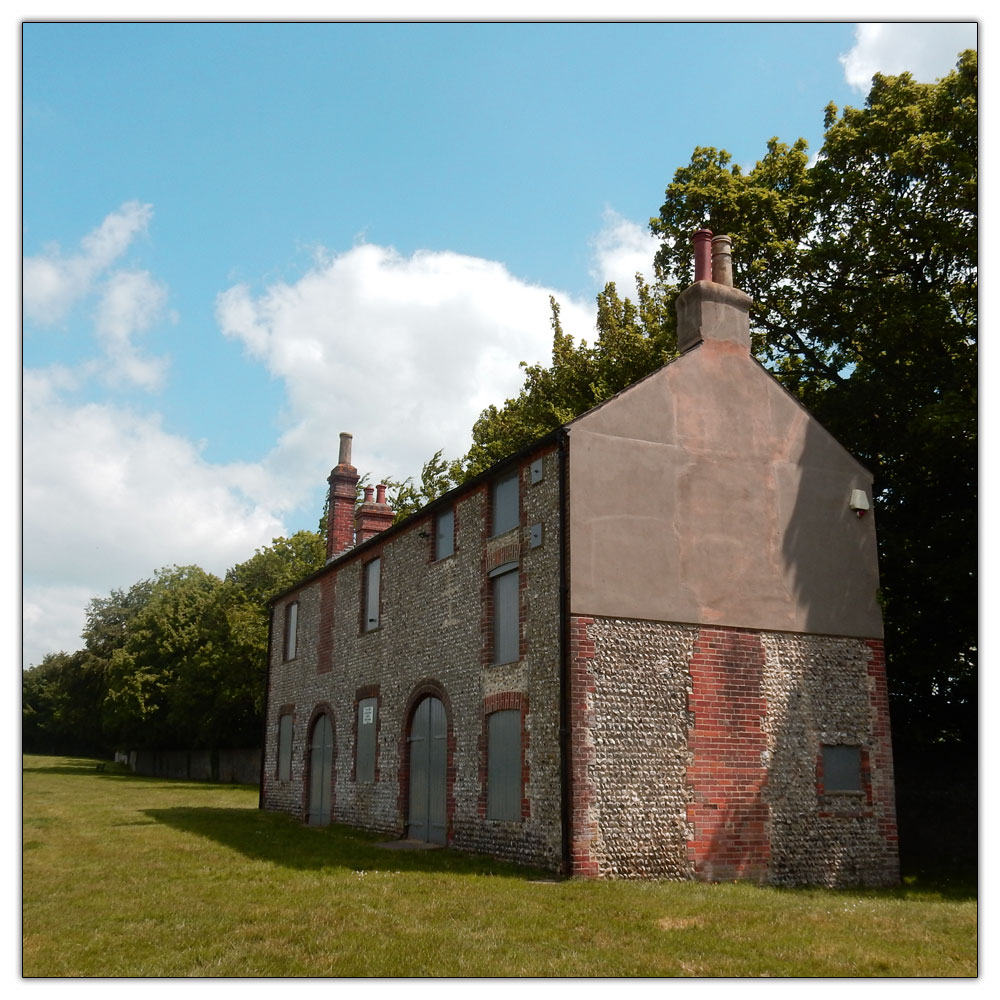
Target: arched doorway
point(320, 771)
point(428, 744)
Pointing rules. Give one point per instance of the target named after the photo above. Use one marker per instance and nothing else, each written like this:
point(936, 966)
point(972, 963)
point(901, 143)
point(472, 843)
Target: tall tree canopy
point(633, 339)
point(174, 662)
point(863, 271)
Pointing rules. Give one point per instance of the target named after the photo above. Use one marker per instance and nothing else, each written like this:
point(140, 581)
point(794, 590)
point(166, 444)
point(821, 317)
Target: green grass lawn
point(130, 876)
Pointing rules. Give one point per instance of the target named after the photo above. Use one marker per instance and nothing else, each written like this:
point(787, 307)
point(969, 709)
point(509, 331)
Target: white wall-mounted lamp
point(859, 502)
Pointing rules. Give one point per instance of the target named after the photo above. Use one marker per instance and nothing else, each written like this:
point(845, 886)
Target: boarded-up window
point(291, 629)
point(841, 769)
point(367, 719)
point(373, 579)
point(505, 504)
point(444, 534)
point(285, 748)
point(505, 613)
point(503, 765)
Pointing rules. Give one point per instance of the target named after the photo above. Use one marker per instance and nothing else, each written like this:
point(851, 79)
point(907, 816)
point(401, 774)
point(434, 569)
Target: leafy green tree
point(61, 700)
point(162, 681)
point(437, 476)
point(108, 618)
point(249, 586)
point(864, 274)
point(863, 269)
point(277, 566)
point(633, 339)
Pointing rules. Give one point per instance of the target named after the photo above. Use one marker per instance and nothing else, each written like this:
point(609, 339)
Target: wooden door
point(428, 739)
point(320, 771)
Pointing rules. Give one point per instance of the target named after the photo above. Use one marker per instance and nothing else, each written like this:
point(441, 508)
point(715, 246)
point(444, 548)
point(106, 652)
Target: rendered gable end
point(707, 494)
point(724, 636)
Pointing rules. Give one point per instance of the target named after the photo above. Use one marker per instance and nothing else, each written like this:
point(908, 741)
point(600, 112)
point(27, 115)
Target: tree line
point(863, 268)
point(177, 661)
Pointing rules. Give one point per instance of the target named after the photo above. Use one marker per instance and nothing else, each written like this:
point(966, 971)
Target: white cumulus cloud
point(109, 496)
point(131, 302)
point(404, 352)
point(53, 282)
point(621, 250)
point(928, 50)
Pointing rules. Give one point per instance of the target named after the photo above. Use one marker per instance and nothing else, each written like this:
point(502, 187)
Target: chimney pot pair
point(713, 258)
point(379, 492)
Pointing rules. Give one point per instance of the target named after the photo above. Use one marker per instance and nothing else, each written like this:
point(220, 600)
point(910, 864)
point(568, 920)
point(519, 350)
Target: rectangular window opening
point(291, 629)
point(367, 723)
point(503, 765)
point(285, 748)
point(842, 769)
point(444, 534)
point(506, 613)
point(504, 504)
point(372, 585)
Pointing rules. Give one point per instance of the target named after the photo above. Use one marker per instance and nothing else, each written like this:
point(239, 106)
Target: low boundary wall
point(241, 767)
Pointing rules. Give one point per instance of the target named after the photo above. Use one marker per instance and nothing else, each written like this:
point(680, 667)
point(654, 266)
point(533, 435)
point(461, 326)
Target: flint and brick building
point(646, 646)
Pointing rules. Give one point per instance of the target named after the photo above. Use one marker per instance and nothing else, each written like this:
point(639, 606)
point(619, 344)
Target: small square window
point(505, 504)
point(291, 629)
point(444, 534)
point(842, 769)
point(372, 585)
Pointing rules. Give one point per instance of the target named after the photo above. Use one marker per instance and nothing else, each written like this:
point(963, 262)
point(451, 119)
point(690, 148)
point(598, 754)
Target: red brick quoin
point(727, 813)
point(883, 782)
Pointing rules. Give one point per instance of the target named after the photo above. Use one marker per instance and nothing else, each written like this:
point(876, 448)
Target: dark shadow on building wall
point(822, 687)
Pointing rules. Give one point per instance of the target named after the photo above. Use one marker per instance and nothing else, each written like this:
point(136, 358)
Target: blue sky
point(241, 239)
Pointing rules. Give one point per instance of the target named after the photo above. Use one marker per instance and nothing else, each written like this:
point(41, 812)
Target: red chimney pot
point(702, 255)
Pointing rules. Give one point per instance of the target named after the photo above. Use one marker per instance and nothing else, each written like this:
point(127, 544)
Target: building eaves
point(446, 499)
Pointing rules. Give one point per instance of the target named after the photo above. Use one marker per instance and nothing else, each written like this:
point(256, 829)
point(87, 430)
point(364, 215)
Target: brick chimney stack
point(712, 310)
point(373, 516)
point(343, 482)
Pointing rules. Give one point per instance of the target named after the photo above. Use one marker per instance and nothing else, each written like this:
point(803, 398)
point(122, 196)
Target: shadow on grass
point(282, 840)
point(77, 765)
point(955, 887)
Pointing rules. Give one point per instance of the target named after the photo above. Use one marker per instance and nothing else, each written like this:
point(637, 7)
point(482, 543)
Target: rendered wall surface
point(706, 494)
point(434, 637)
